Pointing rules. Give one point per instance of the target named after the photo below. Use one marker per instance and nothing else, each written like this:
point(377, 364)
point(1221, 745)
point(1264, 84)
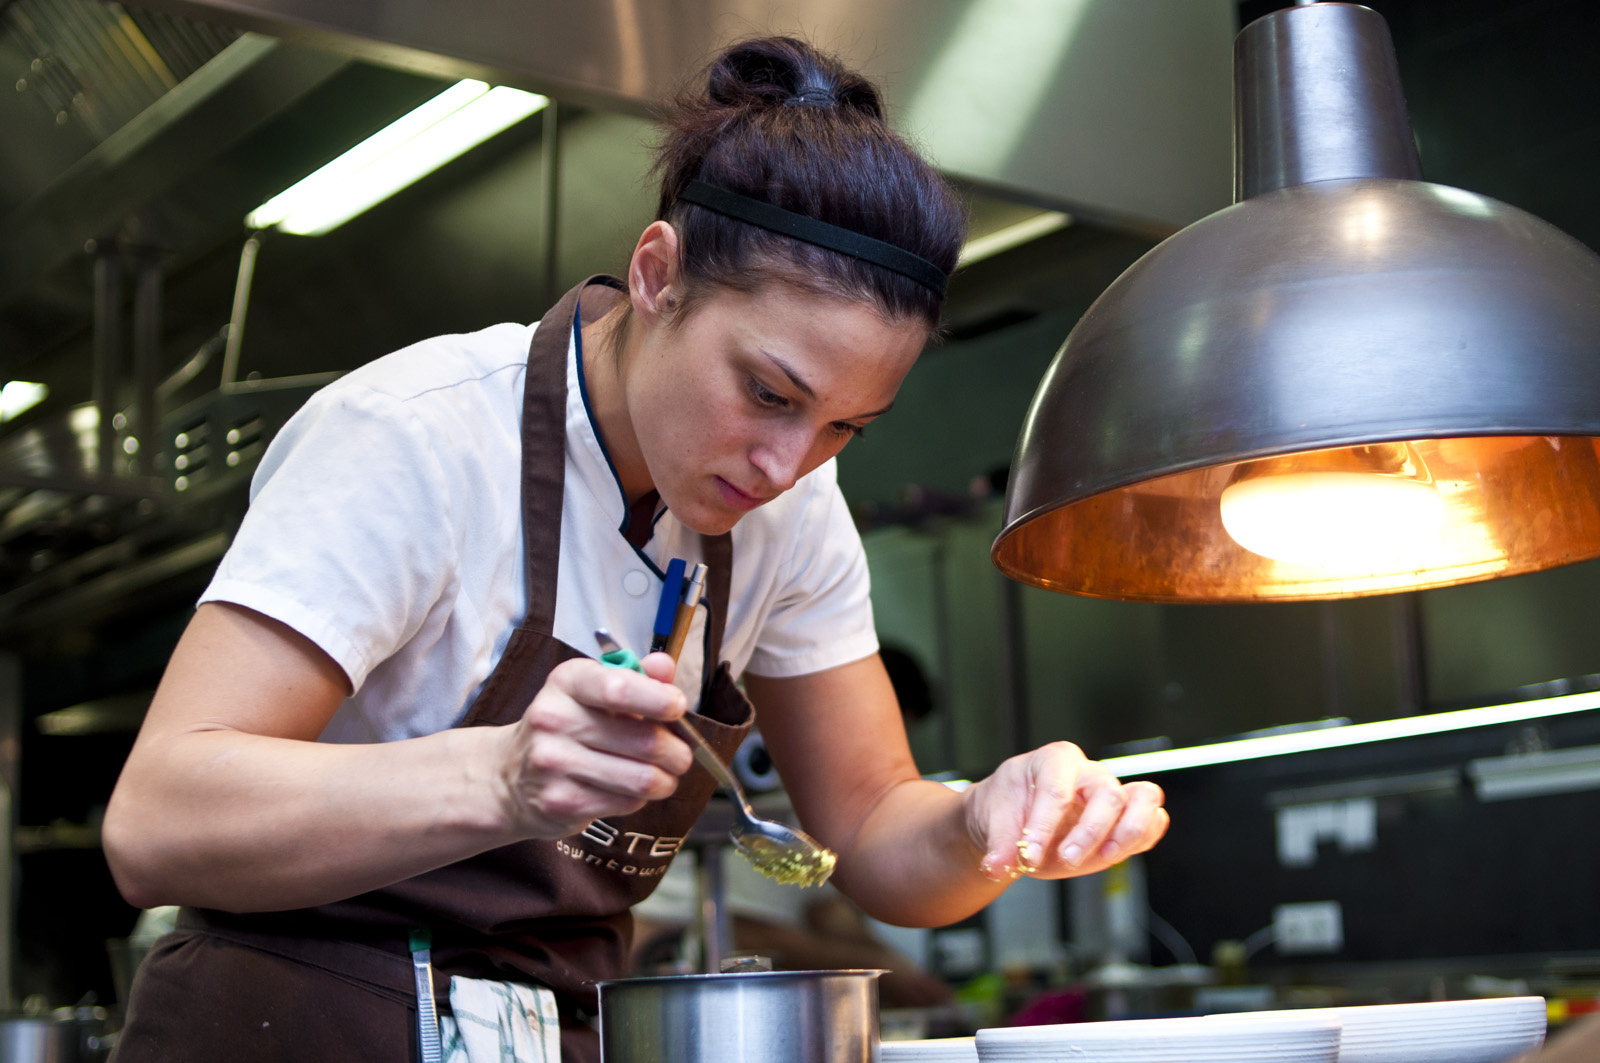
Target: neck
point(606, 351)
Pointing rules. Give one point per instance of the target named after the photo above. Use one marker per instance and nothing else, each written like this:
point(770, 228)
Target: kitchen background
point(133, 140)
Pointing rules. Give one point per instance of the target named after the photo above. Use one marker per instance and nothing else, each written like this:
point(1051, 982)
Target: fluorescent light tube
point(398, 155)
point(1141, 764)
point(20, 396)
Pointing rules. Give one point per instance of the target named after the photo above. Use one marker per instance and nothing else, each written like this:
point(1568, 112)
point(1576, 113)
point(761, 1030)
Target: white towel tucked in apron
point(500, 1022)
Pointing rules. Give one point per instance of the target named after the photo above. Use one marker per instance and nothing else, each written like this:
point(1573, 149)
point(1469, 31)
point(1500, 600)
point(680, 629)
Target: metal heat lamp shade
point(1345, 334)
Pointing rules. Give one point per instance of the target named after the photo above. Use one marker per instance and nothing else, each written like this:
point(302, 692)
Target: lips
point(736, 498)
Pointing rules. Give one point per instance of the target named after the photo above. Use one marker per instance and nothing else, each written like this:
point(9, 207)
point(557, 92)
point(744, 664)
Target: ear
point(653, 284)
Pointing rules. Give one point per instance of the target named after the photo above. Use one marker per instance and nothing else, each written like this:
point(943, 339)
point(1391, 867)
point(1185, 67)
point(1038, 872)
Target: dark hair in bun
point(778, 121)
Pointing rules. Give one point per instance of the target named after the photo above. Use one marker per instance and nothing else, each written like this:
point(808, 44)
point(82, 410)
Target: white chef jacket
point(385, 525)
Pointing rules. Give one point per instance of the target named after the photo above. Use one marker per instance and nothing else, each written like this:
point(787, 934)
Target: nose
point(781, 458)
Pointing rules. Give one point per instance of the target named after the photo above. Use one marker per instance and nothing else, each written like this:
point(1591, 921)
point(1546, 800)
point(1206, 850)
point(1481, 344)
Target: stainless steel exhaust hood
point(1115, 109)
point(1111, 109)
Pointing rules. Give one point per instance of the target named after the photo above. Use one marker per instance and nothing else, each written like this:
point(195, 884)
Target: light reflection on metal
point(1462, 200)
point(958, 120)
point(1001, 240)
point(1345, 303)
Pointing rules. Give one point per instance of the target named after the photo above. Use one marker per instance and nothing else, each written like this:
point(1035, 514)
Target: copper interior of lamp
point(1512, 504)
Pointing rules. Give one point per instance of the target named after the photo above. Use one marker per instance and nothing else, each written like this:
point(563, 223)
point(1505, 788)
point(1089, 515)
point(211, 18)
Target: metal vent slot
point(99, 64)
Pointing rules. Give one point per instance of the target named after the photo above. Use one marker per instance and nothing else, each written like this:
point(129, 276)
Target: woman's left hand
point(1054, 813)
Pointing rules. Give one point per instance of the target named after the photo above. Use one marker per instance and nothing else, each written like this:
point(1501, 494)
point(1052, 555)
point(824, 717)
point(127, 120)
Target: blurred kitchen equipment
point(1112, 931)
point(1111, 915)
point(770, 1016)
point(125, 954)
point(124, 957)
point(753, 764)
point(81, 1034)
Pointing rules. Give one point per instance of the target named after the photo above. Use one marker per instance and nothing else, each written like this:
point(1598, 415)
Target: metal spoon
point(783, 853)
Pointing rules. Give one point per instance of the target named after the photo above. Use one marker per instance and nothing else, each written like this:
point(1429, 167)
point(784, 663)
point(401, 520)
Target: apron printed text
point(624, 844)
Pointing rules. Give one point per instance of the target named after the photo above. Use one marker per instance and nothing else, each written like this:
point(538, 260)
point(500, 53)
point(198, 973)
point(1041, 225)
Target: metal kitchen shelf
point(74, 542)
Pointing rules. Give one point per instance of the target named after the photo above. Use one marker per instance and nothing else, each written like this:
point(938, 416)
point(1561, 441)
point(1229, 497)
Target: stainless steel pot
point(742, 1017)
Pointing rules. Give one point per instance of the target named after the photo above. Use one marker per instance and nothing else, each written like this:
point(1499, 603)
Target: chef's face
point(741, 395)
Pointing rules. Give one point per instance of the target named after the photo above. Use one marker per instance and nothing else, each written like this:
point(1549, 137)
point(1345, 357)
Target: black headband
point(820, 233)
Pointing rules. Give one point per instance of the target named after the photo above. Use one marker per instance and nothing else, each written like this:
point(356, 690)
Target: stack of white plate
point(1283, 1037)
point(931, 1050)
point(1451, 1031)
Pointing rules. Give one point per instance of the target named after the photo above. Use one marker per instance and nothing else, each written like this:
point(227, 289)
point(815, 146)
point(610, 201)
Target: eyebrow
point(805, 389)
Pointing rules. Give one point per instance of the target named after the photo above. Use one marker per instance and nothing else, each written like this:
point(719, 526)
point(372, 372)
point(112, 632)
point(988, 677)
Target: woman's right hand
point(591, 744)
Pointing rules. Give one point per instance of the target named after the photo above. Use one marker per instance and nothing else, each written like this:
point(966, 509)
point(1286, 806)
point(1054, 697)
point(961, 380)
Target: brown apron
point(335, 982)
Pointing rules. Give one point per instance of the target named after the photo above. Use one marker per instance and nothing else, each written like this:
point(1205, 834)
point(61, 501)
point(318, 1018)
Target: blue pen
point(671, 591)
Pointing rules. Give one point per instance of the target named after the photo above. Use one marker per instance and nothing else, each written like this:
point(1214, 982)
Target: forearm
point(243, 822)
point(227, 801)
point(913, 861)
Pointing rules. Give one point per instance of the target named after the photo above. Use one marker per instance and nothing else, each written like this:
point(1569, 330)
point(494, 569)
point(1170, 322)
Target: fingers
point(1058, 793)
point(614, 712)
point(1104, 800)
point(567, 773)
point(1016, 818)
point(1054, 813)
point(659, 666)
point(621, 690)
point(630, 738)
point(592, 744)
point(556, 785)
point(1024, 802)
point(1144, 822)
point(1001, 828)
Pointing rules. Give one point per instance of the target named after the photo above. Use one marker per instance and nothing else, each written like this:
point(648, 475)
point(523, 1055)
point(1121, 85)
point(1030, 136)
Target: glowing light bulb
point(1344, 520)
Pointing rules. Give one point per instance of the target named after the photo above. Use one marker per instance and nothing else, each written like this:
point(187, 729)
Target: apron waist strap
point(378, 964)
point(368, 964)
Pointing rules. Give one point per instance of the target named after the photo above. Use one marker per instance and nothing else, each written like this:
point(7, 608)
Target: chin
point(709, 523)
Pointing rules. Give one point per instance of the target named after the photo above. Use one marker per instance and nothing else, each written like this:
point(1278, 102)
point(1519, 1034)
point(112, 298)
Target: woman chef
point(384, 717)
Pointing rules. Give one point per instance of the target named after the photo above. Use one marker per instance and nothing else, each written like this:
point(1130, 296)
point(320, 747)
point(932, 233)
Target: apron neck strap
point(718, 551)
point(544, 451)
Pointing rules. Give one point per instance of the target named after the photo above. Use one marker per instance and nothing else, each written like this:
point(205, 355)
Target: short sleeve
point(822, 613)
point(347, 538)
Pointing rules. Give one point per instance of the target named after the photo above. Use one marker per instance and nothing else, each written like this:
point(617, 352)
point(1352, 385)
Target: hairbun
point(782, 71)
point(785, 131)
